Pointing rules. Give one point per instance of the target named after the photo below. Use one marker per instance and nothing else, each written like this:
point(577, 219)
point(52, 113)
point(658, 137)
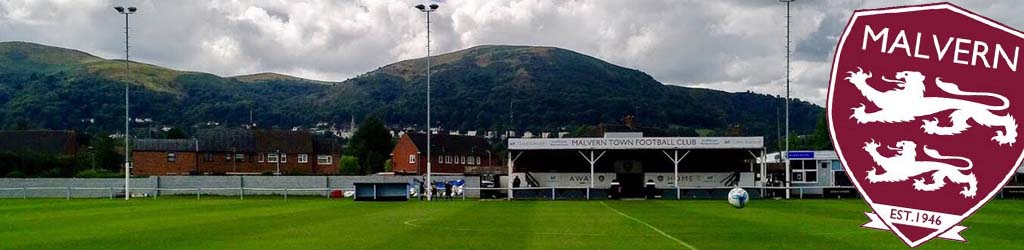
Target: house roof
point(226, 140)
point(326, 146)
point(40, 141)
point(244, 141)
point(164, 145)
point(451, 144)
point(285, 141)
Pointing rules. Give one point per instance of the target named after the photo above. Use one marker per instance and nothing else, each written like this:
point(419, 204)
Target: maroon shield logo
point(922, 108)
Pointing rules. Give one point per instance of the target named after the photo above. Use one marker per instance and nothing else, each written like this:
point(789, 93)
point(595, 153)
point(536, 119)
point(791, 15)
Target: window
point(284, 158)
point(839, 178)
point(261, 158)
point(227, 157)
point(804, 171)
point(171, 157)
point(324, 159)
point(240, 157)
point(272, 158)
point(477, 160)
point(303, 158)
point(208, 157)
point(412, 159)
point(462, 160)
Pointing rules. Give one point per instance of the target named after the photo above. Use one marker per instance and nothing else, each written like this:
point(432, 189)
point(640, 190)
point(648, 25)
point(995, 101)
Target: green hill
point(270, 76)
point(548, 89)
point(49, 87)
point(23, 57)
point(41, 58)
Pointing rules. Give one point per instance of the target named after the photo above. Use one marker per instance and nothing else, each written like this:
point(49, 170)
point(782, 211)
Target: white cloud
point(733, 45)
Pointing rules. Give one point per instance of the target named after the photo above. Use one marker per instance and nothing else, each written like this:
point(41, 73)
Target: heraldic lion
point(904, 165)
point(907, 102)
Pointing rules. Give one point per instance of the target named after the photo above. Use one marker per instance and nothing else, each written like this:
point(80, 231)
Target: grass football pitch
point(317, 223)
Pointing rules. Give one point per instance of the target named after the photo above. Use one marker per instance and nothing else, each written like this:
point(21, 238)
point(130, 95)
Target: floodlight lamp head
point(421, 7)
point(131, 9)
point(433, 6)
point(119, 9)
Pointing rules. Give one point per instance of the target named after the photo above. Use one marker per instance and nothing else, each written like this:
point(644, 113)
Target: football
point(738, 197)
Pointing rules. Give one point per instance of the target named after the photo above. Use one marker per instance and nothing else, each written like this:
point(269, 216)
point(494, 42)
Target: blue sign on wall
point(801, 154)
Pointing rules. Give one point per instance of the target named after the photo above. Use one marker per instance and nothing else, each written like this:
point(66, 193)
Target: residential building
point(165, 157)
point(450, 154)
point(238, 152)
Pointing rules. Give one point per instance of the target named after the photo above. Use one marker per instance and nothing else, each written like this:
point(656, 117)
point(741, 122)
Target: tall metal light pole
point(786, 155)
point(126, 11)
point(427, 9)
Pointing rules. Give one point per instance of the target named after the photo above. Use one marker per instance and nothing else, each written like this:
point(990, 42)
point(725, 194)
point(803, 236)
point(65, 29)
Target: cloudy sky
point(732, 45)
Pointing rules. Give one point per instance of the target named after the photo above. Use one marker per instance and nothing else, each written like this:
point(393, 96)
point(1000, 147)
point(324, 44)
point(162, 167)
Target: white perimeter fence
point(324, 186)
point(199, 186)
point(585, 193)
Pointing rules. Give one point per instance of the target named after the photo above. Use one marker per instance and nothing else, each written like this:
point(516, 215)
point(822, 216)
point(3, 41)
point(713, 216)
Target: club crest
point(922, 113)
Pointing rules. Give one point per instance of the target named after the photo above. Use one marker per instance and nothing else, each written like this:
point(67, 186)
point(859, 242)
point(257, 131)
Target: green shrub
point(97, 173)
point(349, 165)
point(15, 174)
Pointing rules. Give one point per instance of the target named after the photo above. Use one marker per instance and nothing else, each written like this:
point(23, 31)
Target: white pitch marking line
point(409, 222)
point(650, 226)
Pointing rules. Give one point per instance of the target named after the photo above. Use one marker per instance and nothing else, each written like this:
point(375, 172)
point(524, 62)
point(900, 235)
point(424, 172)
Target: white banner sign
point(638, 143)
point(664, 180)
point(601, 180)
point(917, 218)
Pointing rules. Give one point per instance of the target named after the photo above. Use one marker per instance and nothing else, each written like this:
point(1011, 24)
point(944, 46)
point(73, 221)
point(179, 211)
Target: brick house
point(284, 151)
point(328, 156)
point(164, 157)
point(228, 151)
point(241, 152)
point(451, 154)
